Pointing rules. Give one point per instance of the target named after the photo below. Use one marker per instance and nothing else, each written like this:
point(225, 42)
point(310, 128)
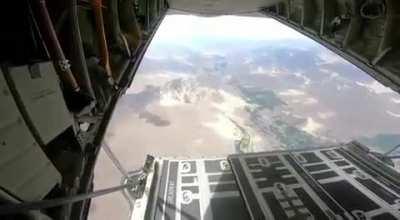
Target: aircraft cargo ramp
point(340, 182)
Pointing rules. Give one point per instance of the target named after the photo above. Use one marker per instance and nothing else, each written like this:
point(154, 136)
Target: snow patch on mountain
point(312, 127)
point(223, 127)
point(292, 92)
point(375, 87)
point(271, 72)
point(396, 115)
point(396, 101)
point(182, 92)
point(230, 103)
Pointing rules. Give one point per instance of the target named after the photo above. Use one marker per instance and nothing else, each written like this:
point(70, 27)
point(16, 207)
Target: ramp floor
point(340, 182)
point(335, 183)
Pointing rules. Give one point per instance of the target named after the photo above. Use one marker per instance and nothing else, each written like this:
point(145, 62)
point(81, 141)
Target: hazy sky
point(195, 32)
point(184, 29)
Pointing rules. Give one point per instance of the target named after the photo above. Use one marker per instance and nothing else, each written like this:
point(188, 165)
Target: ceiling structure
point(363, 32)
point(221, 6)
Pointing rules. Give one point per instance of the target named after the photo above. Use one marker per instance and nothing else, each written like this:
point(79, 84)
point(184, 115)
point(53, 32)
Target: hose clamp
point(64, 65)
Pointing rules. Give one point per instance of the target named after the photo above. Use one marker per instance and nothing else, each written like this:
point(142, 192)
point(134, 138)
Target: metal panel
point(221, 6)
point(25, 171)
point(38, 90)
point(192, 189)
point(328, 183)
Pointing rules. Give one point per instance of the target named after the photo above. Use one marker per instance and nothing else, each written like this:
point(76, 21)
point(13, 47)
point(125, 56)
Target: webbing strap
point(43, 204)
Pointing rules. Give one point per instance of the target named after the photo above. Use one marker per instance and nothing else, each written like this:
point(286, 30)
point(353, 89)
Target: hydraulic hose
point(114, 25)
point(129, 23)
point(78, 55)
point(53, 45)
point(44, 204)
point(101, 36)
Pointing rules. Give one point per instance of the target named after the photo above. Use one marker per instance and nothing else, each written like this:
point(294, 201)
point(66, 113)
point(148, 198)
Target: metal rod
point(115, 160)
point(391, 150)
